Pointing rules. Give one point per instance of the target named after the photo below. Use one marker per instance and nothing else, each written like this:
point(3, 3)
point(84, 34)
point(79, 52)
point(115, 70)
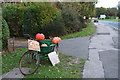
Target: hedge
point(5, 34)
point(28, 17)
point(32, 18)
point(36, 17)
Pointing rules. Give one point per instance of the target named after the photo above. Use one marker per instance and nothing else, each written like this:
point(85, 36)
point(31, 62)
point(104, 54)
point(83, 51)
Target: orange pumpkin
point(56, 39)
point(40, 36)
point(44, 45)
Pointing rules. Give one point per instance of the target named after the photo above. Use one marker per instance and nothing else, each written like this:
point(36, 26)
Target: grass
point(88, 31)
point(116, 20)
point(61, 70)
point(11, 60)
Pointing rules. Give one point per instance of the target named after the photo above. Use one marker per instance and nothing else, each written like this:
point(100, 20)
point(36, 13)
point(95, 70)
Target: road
point(116, 26)
point(101, 50)
point(109, 57)
point(111, 23)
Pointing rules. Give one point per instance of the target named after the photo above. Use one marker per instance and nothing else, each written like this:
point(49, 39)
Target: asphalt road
point(77, 47)
point(111, 23)
point(110, 58)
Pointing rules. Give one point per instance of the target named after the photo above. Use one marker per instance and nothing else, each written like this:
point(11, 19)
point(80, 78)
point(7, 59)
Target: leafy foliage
point(109, 12)
point(5, 34)
point(55, 28)
point(13, 14)
point(36, 17)
point(118, 10)
point(71, 19)
point(52, 19)
point(28, 17)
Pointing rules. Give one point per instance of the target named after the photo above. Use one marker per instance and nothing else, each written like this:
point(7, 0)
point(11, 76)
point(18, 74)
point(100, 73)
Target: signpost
point(33, 45)
point(11, 47)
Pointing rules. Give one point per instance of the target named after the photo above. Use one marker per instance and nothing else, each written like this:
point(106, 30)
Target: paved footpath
point(103, 54)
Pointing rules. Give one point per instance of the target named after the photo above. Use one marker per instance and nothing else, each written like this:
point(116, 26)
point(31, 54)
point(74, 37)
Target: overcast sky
point(107, 3)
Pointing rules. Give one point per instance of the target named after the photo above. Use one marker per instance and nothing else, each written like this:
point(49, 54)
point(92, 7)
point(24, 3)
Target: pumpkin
point(44, 45)
point(40, 36)
point(56, 39)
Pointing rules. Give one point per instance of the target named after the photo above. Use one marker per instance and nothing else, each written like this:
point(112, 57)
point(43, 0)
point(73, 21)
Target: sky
point(107, 3)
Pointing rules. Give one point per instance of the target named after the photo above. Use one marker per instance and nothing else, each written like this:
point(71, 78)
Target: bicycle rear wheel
point(29, 62)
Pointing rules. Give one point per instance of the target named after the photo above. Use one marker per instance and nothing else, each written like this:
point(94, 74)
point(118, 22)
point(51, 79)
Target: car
point(95, 20)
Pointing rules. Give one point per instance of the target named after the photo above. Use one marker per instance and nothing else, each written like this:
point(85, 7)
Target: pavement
point(14, 74)
point(103, 54)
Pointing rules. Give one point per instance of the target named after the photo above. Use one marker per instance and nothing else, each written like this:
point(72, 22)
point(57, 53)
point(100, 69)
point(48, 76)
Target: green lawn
point(61, 70)
point(11, 60)
point(88, 31)
point(116, 20)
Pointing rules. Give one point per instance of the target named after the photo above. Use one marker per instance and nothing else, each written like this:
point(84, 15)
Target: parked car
point(95, 20)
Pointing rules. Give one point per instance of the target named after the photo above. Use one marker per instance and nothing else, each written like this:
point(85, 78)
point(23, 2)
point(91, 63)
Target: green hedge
point(72, 20)
point(28, 17)
point(13, 14)
point(36, 17)
point(5, 34)
point(55, 28)
point(32, 18)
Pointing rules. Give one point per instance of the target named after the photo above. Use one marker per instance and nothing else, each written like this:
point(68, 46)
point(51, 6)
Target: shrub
point(13, 14)
point(28, 17)
point(55, 28)
point(71, 19)
point(36, 16)
point(5, 34)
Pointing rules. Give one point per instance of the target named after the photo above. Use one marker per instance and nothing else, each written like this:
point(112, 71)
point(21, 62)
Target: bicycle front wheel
point(29, 62)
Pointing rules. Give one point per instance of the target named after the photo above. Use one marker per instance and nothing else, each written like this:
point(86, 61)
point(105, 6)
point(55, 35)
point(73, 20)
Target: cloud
point(107, 3)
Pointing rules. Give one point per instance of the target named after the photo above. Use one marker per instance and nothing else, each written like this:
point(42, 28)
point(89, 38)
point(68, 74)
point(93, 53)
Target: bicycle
point(30, 60)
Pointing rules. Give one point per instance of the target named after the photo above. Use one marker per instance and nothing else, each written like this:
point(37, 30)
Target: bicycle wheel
point(29, 62)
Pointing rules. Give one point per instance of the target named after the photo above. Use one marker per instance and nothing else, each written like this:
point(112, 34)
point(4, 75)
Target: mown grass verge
point(88, 31)
point(61, 70)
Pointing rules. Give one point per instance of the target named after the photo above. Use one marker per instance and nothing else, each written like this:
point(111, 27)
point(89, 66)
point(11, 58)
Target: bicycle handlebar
point(27, 36)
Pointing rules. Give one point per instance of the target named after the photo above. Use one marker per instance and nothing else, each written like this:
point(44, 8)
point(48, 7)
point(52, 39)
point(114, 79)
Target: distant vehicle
point(95, 20)
point(102, 16)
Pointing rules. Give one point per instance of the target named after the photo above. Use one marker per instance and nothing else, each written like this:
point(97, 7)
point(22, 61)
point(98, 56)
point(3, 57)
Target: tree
point(109, 12)
point(112, 11)
point(101, 11)
point(118, 14)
